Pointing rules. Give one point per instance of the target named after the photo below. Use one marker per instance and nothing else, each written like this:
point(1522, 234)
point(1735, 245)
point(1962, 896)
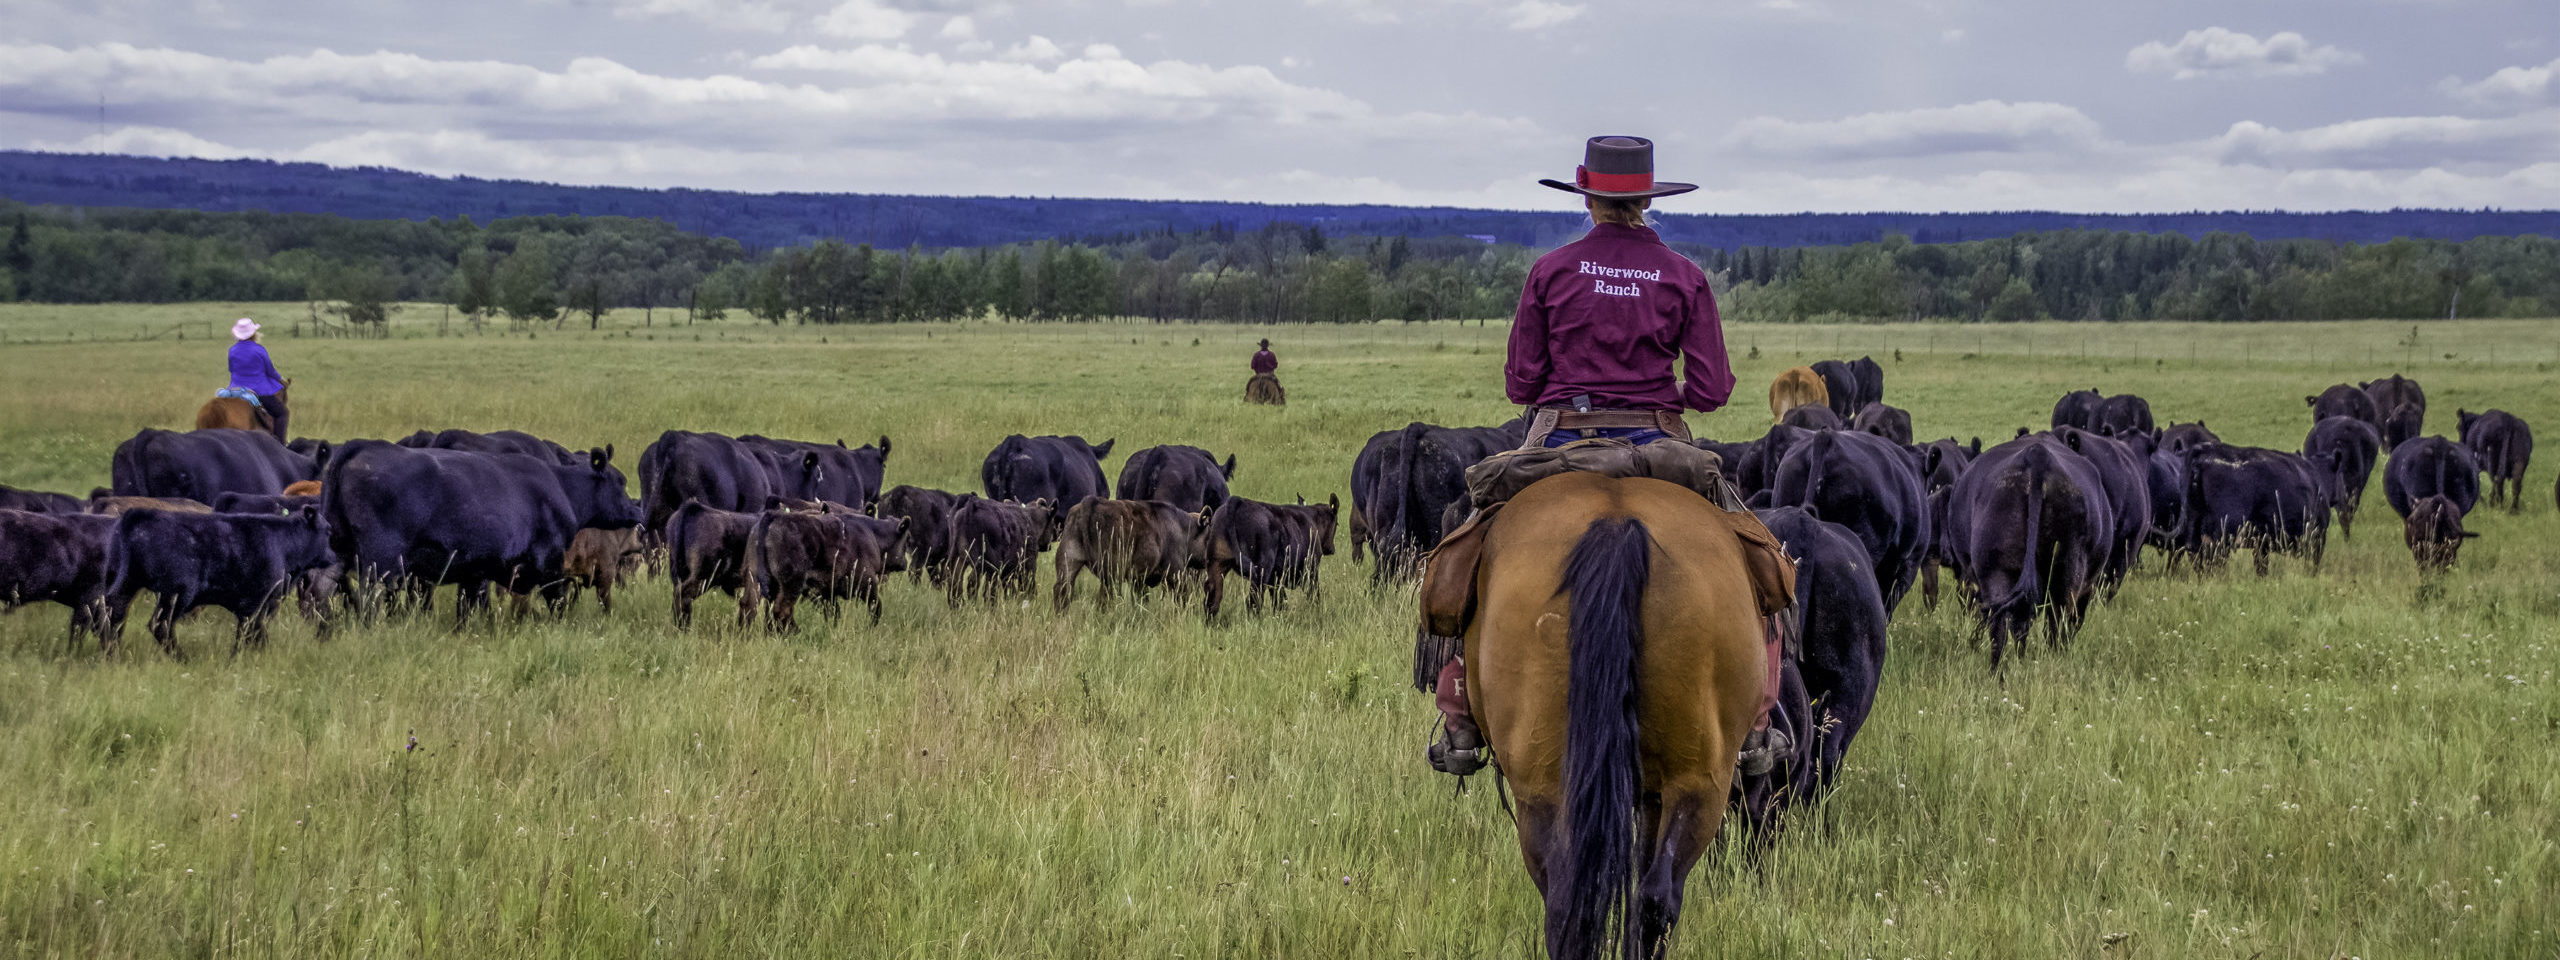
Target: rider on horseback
point(1599, 324)
point(254, 378)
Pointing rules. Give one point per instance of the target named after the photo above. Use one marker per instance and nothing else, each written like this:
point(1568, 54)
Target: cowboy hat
point(244, 328)
point(1618, 167)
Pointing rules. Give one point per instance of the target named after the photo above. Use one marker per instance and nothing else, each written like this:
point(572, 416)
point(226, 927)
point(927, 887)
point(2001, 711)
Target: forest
point(565, 269)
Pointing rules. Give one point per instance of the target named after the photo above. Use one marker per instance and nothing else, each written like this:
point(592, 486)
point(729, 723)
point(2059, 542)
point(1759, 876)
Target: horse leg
point(1673, 846)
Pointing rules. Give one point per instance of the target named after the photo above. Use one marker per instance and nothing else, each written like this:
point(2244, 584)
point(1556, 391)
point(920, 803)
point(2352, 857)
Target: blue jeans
point(1635, 435)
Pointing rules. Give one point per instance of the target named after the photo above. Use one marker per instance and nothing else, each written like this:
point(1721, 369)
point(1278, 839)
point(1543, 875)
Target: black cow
point(1810, 417)
point(501, 441)
point(1755, 469)
point(2079, 408)
point(2401, 406)
point(203, 464)
point(1867, 484)
point(2269, 500)
point(2167, 472)
point(829, 555)
point(2123, 414)
point(57, 557)
point(2429, 467)
point(927, 513)
point(1273, 547)
point(1943, 460)
point(1840, 624)
point(707, 549)
point(2028, 529)
point(739, 474)
point(2503, 446)
point(1061, 470)
point(274, 504)
point(2125, 471)
point(2434, 533)
point(1404, 480)
point(2344, 400)
point(417, 518)
point(2180, 436)
point(1140, 543)
point(315, 449)
point(1187, 477)
point(1891, 423)
point(831, 472)
point(38, 501)
point(2345, 449)
point(995, 546)
point(1840, 384)
point(1870, 381)
point(240, 562)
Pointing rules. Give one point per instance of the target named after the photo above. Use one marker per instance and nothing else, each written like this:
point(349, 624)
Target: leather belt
point(1544, 421)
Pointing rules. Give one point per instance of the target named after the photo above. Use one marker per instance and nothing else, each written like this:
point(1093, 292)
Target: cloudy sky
point(1771, 105)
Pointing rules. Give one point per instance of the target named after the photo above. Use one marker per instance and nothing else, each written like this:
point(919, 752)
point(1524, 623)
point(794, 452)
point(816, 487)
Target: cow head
point(2434, 533)
point(600, 492)
point(1047, 520)
point(1324, 519)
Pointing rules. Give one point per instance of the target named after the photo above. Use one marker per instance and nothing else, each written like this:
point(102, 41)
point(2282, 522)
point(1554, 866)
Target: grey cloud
point(2214, 51)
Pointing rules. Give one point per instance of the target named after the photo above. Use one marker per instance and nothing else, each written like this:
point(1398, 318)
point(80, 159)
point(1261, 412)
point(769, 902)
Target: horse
point(231, 413)
point(1265, 388)
point(1615, 673)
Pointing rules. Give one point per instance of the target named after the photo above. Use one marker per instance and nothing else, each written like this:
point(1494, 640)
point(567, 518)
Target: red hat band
point(1612, 182)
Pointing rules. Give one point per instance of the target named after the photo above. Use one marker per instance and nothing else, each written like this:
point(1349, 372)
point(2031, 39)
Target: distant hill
point(768, 220)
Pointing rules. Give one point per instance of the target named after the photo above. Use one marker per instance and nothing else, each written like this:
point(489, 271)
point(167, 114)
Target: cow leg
point(783, 615)
point(685, 592)
point(2260, 551)
point(870, 594)
point(164, 625)
point(604, 596)
point(1213, 590)
point(748, 596)
point(1065, 590)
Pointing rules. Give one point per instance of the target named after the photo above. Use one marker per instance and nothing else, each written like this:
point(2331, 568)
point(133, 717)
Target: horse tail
point(1606, 574)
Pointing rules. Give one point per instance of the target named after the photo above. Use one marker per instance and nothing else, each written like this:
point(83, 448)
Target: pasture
point(2308, 765)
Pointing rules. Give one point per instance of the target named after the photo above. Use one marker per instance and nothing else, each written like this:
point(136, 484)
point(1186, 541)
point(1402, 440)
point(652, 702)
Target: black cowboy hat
point(1618, 167)
point(1266, 342)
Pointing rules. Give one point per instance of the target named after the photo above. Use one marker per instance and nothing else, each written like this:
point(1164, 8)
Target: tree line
point(566, 269)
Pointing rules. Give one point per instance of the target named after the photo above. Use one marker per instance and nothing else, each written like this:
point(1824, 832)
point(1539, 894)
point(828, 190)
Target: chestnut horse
point(229, 413)
point(1615, 659)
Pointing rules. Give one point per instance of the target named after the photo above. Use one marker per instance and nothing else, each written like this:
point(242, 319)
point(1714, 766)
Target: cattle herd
point(368, 528)
point(2037, 528)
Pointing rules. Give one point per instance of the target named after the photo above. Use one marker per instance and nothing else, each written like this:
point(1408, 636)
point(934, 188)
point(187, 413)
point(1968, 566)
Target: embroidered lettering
point(1622, 273)
point(1614, 290)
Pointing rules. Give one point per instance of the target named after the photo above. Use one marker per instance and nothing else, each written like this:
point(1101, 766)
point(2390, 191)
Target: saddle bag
point(1502, 476)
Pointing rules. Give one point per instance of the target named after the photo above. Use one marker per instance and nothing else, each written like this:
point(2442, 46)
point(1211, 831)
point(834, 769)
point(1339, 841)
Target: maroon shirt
point(1605, 315)
point(1264, 362)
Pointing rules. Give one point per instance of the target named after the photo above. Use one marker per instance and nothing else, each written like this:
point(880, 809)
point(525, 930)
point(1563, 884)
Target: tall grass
point(2308, 765)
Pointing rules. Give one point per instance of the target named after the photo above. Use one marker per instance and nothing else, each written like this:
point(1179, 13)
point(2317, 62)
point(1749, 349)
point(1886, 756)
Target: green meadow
point(2314, 764)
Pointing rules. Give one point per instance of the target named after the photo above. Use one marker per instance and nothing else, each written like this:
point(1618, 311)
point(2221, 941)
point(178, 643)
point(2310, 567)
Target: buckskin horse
point(1615, 660)
point(232, 413)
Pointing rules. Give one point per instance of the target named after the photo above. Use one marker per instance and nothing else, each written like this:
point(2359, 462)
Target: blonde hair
point(1623, 211)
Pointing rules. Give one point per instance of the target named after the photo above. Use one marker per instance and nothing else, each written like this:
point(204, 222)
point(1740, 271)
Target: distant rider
point(253, 376)
point(1264, 361)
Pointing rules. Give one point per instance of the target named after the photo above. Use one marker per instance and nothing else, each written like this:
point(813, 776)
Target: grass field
point(2308, 765)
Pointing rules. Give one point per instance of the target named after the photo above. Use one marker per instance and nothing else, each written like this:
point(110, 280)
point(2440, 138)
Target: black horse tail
point(1595, 877)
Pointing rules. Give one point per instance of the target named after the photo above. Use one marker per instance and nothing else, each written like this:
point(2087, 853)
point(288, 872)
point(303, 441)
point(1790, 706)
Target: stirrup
point(1454, 761)
point(1757, 761)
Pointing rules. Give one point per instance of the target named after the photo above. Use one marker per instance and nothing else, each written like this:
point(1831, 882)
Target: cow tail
point(1606, 575)
point(1400, 530)
point(760, 566)
point(2029, 589)
point(1818, 451)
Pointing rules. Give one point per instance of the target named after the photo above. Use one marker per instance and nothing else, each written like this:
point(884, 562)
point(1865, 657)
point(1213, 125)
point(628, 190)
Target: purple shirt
point(1605, 316)
point(252, 371)
point(1265, 362)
